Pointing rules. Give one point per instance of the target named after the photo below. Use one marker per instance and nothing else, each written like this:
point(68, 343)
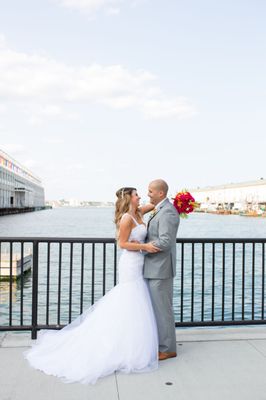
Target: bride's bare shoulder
point(125, 216)
point(126, 219)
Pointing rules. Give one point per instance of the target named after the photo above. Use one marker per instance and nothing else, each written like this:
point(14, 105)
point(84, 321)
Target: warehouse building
point(250, 195)
point(20, 189)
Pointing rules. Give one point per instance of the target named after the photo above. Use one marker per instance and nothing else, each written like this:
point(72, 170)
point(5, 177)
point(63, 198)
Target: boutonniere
point(154, 211)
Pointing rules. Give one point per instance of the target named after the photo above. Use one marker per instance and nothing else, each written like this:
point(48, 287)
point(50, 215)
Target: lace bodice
point(139, 232)
point(130, 266)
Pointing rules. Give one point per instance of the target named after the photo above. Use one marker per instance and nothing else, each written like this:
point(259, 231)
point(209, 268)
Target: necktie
point(154, 211)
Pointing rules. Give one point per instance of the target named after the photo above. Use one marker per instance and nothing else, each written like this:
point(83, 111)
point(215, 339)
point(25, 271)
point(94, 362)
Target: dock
point(13, 268)
point(212, 364)
point(20, 210)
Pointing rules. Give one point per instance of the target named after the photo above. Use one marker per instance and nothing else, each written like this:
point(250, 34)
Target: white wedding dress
point(116, 333)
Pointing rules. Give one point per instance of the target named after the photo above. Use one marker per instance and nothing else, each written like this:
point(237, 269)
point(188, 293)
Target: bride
point(118, 332)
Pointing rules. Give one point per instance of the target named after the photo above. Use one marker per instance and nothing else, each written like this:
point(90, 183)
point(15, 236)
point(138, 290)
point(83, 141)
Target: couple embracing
point(132, 327)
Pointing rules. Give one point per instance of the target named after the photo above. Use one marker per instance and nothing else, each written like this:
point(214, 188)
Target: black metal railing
point(217, 282)
point(221, 281)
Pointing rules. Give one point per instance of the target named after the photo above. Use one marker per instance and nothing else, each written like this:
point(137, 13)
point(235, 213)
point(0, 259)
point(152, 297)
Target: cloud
point(75, 166)
point(90, 7)
point(113, 11)
point(2, 40)
point(165, 108)
point(13, 148)
point(45, 87)
point(3, 109)
point(38, 114)
point(18, 152)
point(52, 140)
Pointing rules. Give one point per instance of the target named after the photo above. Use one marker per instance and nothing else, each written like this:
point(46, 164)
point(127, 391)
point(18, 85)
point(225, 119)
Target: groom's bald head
point(157, 190)
point(160, 185)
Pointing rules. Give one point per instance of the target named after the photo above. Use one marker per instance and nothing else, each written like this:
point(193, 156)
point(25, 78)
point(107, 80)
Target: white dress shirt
point(158, 205)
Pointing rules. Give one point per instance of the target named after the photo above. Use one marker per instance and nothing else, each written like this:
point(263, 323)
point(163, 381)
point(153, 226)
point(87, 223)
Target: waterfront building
point(242, 196)
point(20, 189)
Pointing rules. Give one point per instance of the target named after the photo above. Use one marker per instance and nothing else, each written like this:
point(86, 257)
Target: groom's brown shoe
point(164, 356)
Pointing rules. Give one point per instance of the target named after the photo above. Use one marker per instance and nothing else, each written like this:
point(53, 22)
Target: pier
point(220, 319)
point(13, 269)
point(212, 364)
point(243, 198)
point(19, 210)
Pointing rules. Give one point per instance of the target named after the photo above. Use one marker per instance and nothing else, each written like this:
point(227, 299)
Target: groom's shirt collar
point(158, 206)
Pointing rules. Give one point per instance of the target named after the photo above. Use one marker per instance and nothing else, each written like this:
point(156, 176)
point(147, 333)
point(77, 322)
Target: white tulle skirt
point(117, 333)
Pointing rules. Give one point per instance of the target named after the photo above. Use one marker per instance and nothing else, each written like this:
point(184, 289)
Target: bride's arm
point(125, 229)
point(146, 208)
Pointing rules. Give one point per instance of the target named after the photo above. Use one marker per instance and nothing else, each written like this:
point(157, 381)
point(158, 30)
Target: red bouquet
point(185, 203)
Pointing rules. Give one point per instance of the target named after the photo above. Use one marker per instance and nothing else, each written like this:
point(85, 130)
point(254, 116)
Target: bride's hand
point(151, 248)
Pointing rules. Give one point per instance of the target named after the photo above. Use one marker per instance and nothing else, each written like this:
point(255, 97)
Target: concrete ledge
point(211, 364)
point(221, 333)
point(200, 334)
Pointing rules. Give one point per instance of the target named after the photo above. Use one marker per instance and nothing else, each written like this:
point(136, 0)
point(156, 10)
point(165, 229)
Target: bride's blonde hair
point(122, 205)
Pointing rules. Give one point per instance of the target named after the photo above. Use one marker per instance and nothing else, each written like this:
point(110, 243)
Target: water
point(98, 222)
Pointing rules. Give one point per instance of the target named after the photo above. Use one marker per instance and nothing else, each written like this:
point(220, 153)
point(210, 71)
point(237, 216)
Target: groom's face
point(155, 194)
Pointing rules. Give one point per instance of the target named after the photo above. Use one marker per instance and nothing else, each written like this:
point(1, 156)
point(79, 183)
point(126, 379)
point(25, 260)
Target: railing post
point(34, 311)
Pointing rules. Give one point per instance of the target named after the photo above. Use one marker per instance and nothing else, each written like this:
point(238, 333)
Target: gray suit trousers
point(161, 292)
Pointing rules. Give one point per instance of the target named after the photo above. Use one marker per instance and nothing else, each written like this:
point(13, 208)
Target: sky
point(100, 94)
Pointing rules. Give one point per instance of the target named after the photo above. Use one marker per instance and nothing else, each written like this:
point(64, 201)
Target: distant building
point(238, 196)
point(78, 203)
point(19, 187)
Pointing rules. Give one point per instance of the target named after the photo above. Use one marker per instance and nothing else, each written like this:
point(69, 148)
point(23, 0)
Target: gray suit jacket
point(162, 229)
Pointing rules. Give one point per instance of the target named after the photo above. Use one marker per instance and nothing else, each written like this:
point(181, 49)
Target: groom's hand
point(151, 248)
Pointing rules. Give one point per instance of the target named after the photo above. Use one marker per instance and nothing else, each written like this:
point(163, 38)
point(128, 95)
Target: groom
point(160, 268)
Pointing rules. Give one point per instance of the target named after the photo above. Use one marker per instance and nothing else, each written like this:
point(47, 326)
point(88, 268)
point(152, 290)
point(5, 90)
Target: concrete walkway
point(212, 364)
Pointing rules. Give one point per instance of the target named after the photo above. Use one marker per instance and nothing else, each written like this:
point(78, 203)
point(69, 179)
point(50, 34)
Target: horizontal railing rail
point(218, 281)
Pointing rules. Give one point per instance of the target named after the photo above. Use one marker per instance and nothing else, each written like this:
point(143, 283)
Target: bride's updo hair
point(122, 204)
